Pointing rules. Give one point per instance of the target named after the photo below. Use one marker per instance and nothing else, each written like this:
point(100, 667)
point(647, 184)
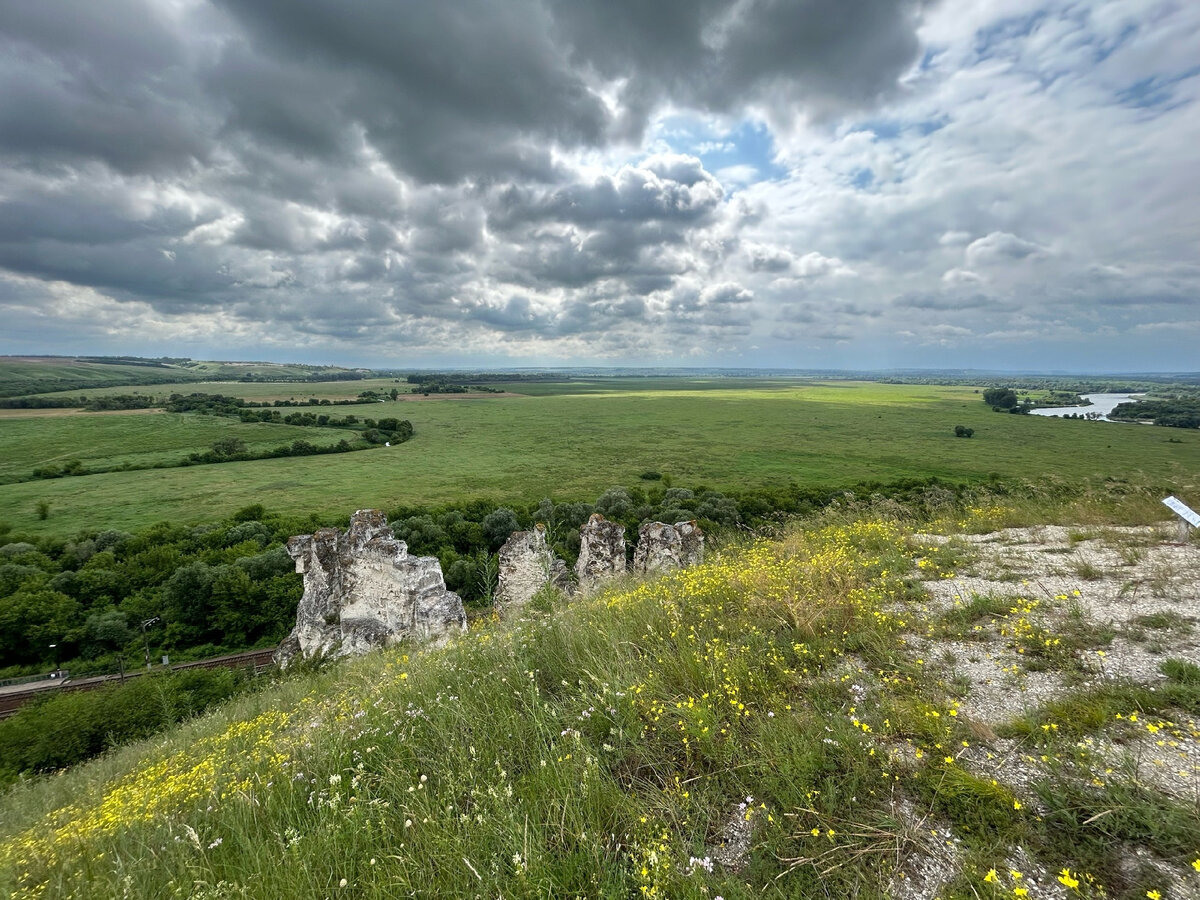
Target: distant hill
point(20, 375)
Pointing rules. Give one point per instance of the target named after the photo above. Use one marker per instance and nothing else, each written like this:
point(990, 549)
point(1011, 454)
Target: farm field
point(257, 391)
point(106, 440)
point(572, 446)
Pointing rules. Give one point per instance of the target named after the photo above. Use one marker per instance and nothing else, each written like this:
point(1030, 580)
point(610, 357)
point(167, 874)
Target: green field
point(109, 440)
point(34, 375)
point(256, 391)
point(574, 446)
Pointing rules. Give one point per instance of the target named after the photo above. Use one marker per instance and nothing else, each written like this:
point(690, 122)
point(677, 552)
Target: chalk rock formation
point(527, 564)
point(691, 540)
point(363, 590)
point(662, 547)
point(601, 551)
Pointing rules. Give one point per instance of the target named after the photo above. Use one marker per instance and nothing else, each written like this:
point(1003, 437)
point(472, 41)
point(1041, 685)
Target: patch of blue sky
point(1104, 49)
point(863, 179)
point(749, 146)
point(1156, 92)
point(1004, 31)
point(890, 129)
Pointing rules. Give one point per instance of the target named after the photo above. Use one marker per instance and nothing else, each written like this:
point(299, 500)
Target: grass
point(752, 727)
point(113, 440)
point(572, 446)
point(257, 391)
point(596, 751)
point(33, 375)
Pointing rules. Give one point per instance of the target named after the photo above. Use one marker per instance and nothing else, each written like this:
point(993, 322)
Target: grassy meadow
point(107, 440)
point(40, 374)
point(257, 391)
point(571, 446)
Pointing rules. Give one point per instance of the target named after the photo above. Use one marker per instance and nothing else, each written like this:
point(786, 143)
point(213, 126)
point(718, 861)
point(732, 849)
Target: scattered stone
point(662, 547)
point(733, 852)
point(363, 590)
point(527, 564)
point(601, 551)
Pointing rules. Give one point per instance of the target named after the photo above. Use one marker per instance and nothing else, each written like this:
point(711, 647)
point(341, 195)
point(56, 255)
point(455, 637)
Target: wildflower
point(1154, 895)
point(991, 877)
point(1068, 879)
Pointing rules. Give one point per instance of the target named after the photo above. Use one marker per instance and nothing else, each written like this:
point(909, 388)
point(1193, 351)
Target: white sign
point(1184, 512)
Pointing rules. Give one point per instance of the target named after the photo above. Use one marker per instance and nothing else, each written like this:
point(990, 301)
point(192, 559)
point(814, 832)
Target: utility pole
point(146, 623)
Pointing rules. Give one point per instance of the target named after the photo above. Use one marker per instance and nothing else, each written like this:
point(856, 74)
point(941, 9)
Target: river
point(1102, 405)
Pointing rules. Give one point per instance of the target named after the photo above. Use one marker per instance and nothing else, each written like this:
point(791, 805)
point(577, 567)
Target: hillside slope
point(783, 721)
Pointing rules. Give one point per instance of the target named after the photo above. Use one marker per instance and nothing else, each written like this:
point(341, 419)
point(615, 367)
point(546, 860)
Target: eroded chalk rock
point(662, 547)
point(527, 564)
point(691, 540)
point(363, 590)
point(601, 551)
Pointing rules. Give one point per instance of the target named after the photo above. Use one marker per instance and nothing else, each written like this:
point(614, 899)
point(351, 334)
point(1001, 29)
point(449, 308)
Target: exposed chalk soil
point(1045, 615)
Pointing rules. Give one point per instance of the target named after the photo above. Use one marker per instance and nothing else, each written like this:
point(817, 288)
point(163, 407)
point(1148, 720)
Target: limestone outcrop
point(527, 564)
point(363, 590)
point(691, 541)
point(662, 547)
point(601, 551)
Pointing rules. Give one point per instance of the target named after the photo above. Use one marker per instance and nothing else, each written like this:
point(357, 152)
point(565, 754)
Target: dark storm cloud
point(404, 169)
point(98, 81)
point(789, 55)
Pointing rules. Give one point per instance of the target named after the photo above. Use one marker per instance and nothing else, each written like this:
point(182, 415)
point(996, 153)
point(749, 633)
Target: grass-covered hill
point(20, 375)
point(786, 720)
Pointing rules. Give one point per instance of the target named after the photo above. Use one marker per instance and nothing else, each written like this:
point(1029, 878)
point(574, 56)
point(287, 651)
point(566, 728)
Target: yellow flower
point(991, 877)
point(1067, 879)
point(1154, 895)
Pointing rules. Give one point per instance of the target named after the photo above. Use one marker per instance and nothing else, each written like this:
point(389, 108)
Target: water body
point(1102, 405)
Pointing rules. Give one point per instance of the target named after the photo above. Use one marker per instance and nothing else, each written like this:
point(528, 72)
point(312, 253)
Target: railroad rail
point(258, 660)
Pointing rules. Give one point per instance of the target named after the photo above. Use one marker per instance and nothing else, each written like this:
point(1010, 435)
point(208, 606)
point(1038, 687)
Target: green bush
point(67, 728)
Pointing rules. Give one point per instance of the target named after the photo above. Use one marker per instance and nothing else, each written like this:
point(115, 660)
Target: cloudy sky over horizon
point(859, 184)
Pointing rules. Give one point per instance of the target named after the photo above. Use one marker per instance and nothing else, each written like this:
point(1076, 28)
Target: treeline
point(478, 378)
point(373, 431)
point(1005, 399)
point(443, 384)
point(1179, 412)
point(1076, 385)
point(222, 451)
point(182, 403)
point(65, 728)
point(78, 603)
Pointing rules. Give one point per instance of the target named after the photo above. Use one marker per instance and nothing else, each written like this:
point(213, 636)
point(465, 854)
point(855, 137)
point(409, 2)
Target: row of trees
point(1176, 412)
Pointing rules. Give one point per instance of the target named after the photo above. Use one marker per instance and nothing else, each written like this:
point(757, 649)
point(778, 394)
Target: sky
point(864, 184)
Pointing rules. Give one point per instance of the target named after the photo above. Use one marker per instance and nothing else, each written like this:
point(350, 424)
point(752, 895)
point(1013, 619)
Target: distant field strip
point(571, 447)
point(109, 440)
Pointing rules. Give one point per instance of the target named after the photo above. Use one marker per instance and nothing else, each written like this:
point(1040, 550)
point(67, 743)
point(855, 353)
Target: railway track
point(259, 660)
